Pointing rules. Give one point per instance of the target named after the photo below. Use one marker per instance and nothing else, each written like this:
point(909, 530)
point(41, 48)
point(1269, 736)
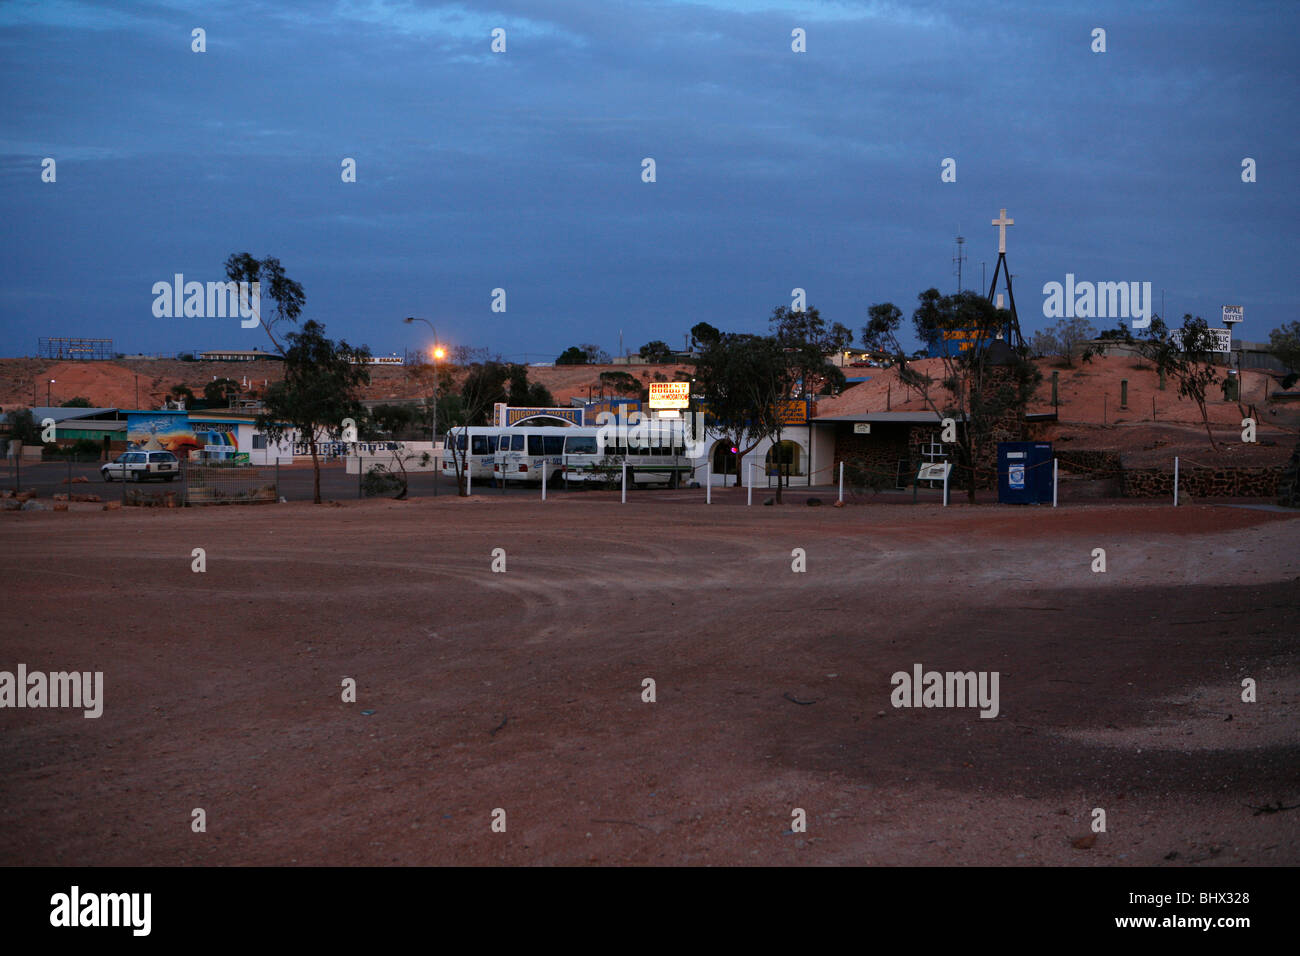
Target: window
point(580, 446)
point(460, 442)
point(481, 445)
point(554, 444)
point(259, 442)
point(535, 446)
point(516, 442)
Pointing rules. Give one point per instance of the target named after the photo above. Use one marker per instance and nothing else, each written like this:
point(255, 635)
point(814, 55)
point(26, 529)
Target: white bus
point(574, 455)
point(478, 445)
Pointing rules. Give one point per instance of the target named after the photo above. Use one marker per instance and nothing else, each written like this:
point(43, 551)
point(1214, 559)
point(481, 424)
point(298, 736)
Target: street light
point(437, 352)
point(47, 391)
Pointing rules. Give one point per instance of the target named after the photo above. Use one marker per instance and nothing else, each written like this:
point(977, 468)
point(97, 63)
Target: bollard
point(277, 480)
point(750, 500)
point(624, 482)
point(69, 477)
point(708, 482)
point(469, 478)
point(841, 481)
point(361, 470)
point(544, 464)
point(1054, 477)
point(1175, 481)
point(1123, 393)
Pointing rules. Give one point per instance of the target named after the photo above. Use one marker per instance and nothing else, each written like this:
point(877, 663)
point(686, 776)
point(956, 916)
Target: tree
point(972, 390)
point(656, 352)
point(220, 391)
point(23, 427)
point(595, 354)
point(704, 335)
point(620, 383)
point(483, 387)
point(78, 402)
point(181, 393)
point(811, 341)
point(1187, 356)
point(319, 390)
point(573, 355)
point(287, 295)
point(728, 371)
point(388, 421)
point(525, 393)
point(1064, 339)
point(749, 381)
point(1284, 342)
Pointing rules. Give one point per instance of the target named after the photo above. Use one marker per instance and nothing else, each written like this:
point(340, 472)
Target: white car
point(142, 466)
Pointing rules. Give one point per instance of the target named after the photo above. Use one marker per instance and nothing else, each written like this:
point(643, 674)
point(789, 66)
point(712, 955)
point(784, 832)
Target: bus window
point(535, 447)
point(580, 446)
point(481, 445)
point(516, 442)
point(554, 444)
point(460, 442)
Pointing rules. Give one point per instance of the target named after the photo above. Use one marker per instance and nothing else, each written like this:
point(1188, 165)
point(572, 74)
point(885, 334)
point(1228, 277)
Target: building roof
point(65, 414)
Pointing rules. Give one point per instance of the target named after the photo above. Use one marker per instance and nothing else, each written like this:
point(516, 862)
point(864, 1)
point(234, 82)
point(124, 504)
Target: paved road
point(295, 484)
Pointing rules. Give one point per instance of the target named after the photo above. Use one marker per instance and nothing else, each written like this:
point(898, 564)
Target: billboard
point(670, 394)
point(1220, 339)
point(1233, 313)
point(161, 431)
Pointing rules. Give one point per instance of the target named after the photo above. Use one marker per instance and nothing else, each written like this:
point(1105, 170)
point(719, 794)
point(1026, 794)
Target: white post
point(708, 482)
point(624, 483)
point(945, 487)
point(750, 500)
point(1175, 481)
point(1054, 475)
point(469, 477)
point(841, 482)
point(544, 464)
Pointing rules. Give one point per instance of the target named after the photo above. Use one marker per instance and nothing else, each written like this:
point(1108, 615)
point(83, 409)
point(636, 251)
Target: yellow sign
point(670, 394)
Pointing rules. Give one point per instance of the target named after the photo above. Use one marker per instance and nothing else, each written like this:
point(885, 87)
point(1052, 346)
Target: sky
point(523, 170)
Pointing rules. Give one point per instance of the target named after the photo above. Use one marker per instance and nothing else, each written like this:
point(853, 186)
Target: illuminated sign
point(670, 394)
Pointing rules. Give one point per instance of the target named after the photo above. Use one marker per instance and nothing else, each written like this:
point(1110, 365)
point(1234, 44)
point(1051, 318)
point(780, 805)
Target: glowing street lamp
point(438, 352)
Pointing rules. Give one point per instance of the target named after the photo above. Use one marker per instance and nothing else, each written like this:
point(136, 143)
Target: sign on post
point(670, 395)
point(862, 428)
point(1232, 313)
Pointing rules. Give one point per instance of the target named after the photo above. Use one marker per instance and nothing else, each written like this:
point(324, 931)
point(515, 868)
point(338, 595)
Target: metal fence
point(227, 483)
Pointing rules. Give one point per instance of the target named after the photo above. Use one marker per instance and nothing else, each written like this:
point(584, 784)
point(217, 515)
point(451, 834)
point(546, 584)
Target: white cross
point(1002, 222)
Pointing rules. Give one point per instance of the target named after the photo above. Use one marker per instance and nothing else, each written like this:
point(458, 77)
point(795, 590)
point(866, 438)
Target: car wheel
point(106, 476)
point(138, 477)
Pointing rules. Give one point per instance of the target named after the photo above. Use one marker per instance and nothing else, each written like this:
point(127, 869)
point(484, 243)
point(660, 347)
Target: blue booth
point(1024, 472)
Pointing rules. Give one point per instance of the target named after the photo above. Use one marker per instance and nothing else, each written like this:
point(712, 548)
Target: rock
point(91, 498)
point(113, 506)
point(60, 506)
point(10, 504)
point(838, 504)
point(1084, 842)
point(814, 502)
point(769, 501)
point(60, 497)
point(33, 506)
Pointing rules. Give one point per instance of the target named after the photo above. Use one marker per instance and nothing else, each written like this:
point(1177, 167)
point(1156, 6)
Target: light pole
point(436, 352)
point(48, 385)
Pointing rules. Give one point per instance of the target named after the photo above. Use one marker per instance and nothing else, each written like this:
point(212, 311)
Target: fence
point(227, 483)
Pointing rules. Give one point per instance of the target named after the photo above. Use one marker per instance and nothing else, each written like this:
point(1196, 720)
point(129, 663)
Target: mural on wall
point(161, 431)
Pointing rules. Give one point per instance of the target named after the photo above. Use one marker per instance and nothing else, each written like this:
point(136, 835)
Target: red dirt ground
point(522, 690)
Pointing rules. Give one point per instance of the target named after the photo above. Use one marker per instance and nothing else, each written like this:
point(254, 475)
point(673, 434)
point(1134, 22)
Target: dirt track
point(522, 690)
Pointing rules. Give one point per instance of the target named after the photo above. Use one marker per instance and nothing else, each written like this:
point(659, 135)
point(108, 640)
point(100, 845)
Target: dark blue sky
point(522, 170)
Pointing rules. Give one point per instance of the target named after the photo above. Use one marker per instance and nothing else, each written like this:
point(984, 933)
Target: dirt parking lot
point(522, 690)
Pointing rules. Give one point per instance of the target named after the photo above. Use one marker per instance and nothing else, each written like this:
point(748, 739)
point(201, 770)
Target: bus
point(478, 458)
point(574, 455)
